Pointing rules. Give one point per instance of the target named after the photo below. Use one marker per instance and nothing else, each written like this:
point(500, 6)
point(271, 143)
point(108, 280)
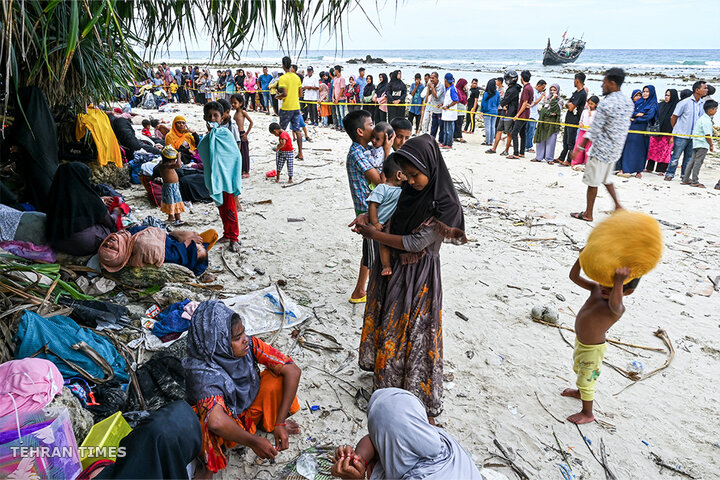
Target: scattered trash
point(362, 397)
point(496, 360)
point(459, 314)
point(314, 408)
point(295, 220)
point(153, 311)
point(271, 174)
point(545, 313)
point(513, 409)
point(560, 297)
point(646, 443)
point(259, 271)
point(636, 366)
point(470, 354)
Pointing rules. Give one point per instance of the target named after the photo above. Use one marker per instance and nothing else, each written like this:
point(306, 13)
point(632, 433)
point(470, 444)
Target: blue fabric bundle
point(170, 320)
point(60, 333)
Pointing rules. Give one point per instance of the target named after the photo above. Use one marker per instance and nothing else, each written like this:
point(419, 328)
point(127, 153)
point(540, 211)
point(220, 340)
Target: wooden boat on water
point(568, 52)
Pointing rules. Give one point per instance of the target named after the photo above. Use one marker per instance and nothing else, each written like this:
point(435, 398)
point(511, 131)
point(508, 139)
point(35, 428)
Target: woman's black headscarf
point(380, 89)
point(369, 88)
point(437, 200)
point(73, 205)
point(666, 109)
point(491, 88)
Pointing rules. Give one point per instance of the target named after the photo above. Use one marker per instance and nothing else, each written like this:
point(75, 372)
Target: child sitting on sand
point(172, 202)
point(382, 203)
point(238, 103)
point(160, 129)
point(146, 128)
point(597, 315)
point(380, 147)
point(284, 151)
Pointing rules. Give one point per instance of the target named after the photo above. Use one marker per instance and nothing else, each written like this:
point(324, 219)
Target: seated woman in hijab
point(402, 444)
point(182, 139)
point(161, 446)
point(77, 218)
point(229, 393)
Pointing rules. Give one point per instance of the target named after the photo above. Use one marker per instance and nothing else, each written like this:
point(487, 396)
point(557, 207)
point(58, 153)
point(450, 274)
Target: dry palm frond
point(464, 185)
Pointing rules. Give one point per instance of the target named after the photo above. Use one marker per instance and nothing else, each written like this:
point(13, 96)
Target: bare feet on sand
point(235, 247)
point(581, 417)
point(571, 392)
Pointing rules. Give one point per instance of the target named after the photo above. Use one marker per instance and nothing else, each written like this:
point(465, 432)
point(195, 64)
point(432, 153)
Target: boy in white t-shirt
point(382, 203)
point(448, 114)
point(310, 88)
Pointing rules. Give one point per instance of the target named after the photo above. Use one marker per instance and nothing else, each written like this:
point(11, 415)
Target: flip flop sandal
point(490, 150)
point(698, 185)
point(579, 216)
point(504, 154)
point(358, 300)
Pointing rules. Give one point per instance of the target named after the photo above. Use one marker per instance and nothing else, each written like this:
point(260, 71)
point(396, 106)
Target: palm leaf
point(47, 43)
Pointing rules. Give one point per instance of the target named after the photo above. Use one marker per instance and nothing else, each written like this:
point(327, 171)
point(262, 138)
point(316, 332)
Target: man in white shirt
point(310, 87)
point(534, 114)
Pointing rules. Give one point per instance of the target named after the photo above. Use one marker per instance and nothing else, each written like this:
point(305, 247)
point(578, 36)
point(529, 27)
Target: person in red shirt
point(284, 151)
point(520, 126)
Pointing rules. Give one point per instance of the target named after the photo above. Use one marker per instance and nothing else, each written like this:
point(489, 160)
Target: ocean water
point(677, 68)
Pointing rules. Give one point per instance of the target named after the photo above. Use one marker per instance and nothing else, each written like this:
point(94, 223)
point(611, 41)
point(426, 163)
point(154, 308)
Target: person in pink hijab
point(250, 89)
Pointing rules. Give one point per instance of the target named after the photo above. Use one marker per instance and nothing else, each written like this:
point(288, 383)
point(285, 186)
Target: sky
point(483, 24)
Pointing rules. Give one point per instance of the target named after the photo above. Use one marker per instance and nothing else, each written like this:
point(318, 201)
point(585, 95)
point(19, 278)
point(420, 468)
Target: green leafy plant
point(80, 51)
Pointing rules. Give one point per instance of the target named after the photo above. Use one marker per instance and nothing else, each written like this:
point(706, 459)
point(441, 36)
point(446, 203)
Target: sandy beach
point(503, 372)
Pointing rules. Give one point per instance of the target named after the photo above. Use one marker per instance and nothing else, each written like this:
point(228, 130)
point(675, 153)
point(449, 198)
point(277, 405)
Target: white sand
point(501, 361)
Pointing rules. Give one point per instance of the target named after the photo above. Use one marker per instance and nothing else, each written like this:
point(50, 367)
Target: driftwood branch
point(609, 340)
point(608, 473)
point(505, 456)
point(548, 411)
point(662, 335)
point(659, 462)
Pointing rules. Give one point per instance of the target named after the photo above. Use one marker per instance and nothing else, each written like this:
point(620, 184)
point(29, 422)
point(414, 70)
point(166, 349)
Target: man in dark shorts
point(289, 87)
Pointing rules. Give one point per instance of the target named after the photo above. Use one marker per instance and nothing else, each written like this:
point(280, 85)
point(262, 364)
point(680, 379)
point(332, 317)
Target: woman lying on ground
point(402, 444)
point(229, 393)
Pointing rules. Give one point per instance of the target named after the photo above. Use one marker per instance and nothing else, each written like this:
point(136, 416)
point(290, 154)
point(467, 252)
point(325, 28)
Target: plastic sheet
point(261, 310)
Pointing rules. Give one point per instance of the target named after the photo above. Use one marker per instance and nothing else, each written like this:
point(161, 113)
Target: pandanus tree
point(79, 51)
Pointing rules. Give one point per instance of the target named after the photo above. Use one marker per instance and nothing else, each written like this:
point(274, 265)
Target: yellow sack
point(106, 142)
point(626, 239)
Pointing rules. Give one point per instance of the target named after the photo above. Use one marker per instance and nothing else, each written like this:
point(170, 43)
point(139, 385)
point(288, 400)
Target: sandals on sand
point(580, 216)
point(697, 184)
point(358, 300)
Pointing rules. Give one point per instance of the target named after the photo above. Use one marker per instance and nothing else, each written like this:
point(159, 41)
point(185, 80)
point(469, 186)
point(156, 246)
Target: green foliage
point(79, 51)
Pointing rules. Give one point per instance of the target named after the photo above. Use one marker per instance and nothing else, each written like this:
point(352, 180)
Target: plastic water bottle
point(307, 466)
point(636, 366)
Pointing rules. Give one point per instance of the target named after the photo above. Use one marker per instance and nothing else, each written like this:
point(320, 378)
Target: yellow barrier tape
point(561, 124)
point(640, 132)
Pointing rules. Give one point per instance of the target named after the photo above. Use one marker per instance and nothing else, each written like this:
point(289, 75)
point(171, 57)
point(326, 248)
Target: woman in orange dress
point(228, 392)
